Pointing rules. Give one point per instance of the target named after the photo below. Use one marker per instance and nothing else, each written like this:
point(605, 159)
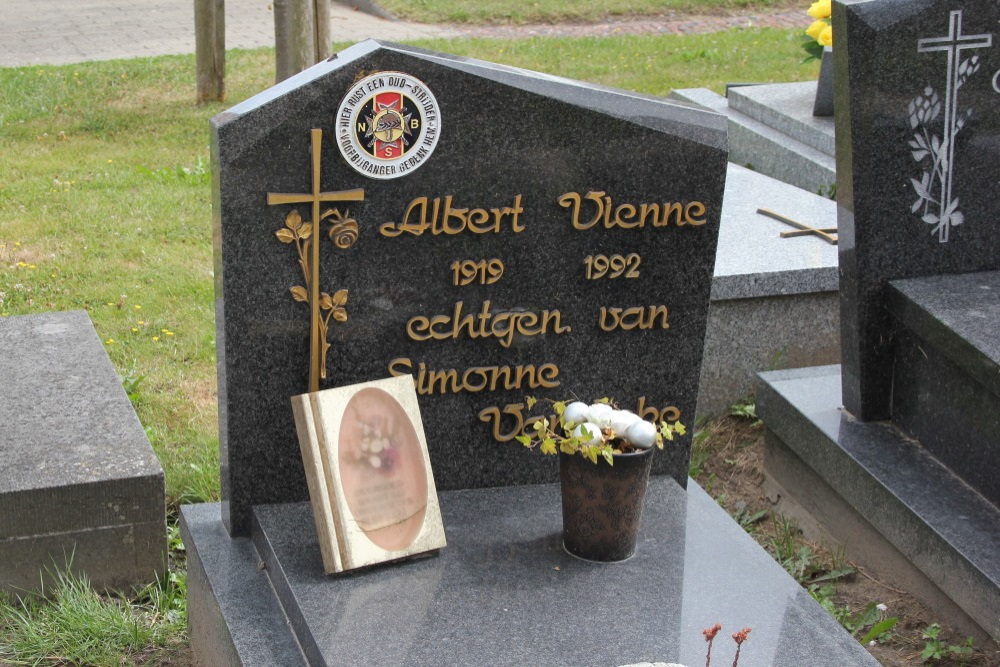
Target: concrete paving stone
point(113, 29)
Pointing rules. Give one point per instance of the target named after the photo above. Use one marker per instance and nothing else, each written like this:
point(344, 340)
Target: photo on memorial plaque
point(369, 473)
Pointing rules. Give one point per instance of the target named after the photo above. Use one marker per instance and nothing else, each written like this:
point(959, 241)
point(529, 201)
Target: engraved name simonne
point(933, 147)
point(388, 125)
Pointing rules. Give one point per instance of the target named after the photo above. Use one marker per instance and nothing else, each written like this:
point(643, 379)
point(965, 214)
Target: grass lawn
point(559, 11)
point(105, 204)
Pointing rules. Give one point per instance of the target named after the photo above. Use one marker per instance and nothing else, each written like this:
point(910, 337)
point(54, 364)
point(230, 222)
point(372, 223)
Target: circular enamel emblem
point(388, 125)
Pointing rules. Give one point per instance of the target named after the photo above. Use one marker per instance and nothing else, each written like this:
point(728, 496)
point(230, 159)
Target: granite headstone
point(907, 466)
point(918, 143)
point(494, 232)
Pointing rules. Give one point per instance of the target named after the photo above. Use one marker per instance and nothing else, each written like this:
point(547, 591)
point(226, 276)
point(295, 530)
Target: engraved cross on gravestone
point(958, 71)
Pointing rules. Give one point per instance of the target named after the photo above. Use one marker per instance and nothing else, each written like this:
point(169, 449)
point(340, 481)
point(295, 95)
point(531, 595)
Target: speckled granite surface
point(493, 595)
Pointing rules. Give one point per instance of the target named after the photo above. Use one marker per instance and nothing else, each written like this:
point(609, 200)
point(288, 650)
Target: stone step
point(787, 108)
point(867, 480)
point(946, 375)
point(485, 598)
point(765, 149)
point(233, 616)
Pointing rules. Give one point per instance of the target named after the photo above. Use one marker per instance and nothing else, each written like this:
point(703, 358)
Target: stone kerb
point(79, 481)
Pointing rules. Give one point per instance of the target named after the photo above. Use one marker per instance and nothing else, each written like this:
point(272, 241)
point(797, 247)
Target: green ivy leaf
point(524, 440)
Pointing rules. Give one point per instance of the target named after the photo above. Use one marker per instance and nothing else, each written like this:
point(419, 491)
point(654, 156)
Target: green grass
point(76, 626)
point(553, 11)
point(105, 203)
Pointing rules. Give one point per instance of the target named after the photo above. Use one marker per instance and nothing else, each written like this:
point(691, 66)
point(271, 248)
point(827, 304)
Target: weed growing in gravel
point(935, 649)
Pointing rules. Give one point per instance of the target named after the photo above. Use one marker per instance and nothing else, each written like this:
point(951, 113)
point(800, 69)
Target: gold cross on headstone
point(827, 234)
point(316, 197)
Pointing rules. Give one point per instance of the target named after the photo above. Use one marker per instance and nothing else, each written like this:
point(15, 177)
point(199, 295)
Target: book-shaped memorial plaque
point(369, 473)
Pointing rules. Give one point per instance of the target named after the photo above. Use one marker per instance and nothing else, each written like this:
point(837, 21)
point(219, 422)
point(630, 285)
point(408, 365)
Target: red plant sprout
point(739, 638)
point(709, 636)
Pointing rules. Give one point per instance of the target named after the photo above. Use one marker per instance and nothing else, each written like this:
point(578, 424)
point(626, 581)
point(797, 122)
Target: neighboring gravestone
point(918, 139)
point(79, 482)
point(904, 472)
point(496, 233)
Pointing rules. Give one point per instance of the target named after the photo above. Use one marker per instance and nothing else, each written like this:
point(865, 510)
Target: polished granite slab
point(753, 260)
point(788, 108)
point(947, 530)
point(504, 592)
point(768, 149)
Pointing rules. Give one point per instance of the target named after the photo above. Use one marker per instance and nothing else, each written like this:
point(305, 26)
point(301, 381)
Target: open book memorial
point(481, 235)
point(369, 475)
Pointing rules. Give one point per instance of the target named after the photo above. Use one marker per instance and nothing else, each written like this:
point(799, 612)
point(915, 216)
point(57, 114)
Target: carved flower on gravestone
point(936, 154)
point(343, 233)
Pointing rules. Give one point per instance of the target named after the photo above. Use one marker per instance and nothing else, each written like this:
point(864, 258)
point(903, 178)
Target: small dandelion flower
point(169, 333)
point(136, 307)
point(135, 330)
point(141, 323)
point(164, 330)
point(156, 339)
point(110, 341)
point(110, 304)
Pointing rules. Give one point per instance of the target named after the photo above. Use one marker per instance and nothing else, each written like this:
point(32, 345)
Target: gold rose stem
point(314, 345)
point(315, 198)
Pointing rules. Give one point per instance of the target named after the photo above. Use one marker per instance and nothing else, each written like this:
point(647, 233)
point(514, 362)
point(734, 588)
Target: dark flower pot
point(823, 106)
point(602, 504)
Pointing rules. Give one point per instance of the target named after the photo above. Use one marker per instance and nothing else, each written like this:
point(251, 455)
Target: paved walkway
point(57, 32)
point(34, 32)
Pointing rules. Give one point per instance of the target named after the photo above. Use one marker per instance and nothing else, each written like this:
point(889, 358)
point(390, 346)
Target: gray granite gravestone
point(505, 234)
point(79, 482)
point(918, 142)
point(564, 181)
point(907, 460)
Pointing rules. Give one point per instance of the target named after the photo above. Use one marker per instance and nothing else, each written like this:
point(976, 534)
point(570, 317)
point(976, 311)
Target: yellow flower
point(815, 29)
point(820, 9)
point(156, 339)
point(137, 307)
point(135, 330)
point(826, 37)
point(109, 341)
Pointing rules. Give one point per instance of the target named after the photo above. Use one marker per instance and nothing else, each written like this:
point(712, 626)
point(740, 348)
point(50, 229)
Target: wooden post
point(210, 49)
point(323, 40)
point(294, 37)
